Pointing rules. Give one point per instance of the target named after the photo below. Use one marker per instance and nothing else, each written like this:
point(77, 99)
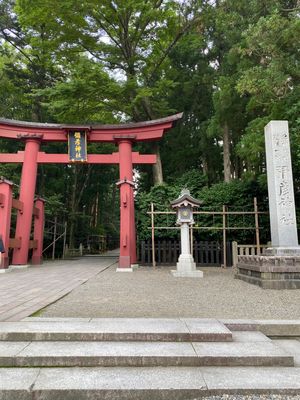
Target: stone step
point(118, 329)
point(141, 354)
point(160, 383)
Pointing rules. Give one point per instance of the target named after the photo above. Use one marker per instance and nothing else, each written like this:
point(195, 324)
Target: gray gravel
point(156, 293)
point(252, 397)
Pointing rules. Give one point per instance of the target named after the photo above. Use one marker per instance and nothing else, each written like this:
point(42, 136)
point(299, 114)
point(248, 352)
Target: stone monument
point(186, 267)
point(279, 266)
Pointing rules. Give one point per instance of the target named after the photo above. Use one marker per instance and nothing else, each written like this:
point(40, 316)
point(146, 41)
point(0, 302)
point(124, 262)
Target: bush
point(237, 195)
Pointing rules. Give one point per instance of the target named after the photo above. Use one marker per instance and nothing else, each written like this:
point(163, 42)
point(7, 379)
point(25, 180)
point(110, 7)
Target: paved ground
point(23, 292)
point(90, 287)
point(156, 293)
point(143, 293)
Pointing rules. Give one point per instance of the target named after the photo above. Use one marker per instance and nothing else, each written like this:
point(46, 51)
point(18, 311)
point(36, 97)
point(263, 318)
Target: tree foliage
point(230, 66)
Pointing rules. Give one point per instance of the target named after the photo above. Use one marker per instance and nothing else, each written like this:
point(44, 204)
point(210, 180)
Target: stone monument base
point(277, 268)
point(186, 267)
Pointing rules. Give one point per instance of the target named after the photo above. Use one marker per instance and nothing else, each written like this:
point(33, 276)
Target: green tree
point(271, 80)
point(133, 39)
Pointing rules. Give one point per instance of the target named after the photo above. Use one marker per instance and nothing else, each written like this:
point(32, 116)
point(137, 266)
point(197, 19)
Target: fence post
point(224, 238)
point(65, 239)
point(234, 254)
point(256, 227)
point(81, 249)
point(54, 238)
point(152, 236)
point(67, 250)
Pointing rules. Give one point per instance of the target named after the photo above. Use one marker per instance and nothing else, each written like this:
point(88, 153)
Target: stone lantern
point(186, 267)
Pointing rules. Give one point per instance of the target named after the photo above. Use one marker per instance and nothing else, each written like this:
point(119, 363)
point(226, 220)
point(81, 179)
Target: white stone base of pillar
point(4, 270)
point(186, 267)
point(132, 268)
point(19, 266)
point(283, 251)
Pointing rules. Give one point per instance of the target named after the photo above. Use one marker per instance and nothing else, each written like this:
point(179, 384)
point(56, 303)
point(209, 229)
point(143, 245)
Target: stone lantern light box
point(184, 204)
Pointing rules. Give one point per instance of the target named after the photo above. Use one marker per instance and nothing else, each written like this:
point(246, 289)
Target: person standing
point(2, 250)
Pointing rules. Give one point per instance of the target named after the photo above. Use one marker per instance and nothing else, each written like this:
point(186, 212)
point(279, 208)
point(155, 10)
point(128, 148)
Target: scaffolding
point(224, 228)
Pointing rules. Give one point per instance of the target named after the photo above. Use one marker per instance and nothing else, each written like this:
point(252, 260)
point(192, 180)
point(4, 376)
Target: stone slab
point(11, 349)
point(249, 337)
point(240, 324)
point(283, 251)
point(120, 383)
point(274, 284)
point(242, 354)
point(252, 380)
point(114, 329)
point(160, 383)
point(270, 272)
point(140, 325)
point(291, 347)
point(210, 329)
point(287, 328)
point(187, 274)
point(16, 383)
point(282, 267)
point(143, 354)
point(275, 327)
point(106, 354)
point(55, 319)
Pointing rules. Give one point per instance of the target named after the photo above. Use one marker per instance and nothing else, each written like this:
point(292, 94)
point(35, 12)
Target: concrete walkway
point(25, 291)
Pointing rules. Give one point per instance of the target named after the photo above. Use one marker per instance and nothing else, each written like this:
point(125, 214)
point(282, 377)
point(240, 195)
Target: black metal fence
point(168, 251)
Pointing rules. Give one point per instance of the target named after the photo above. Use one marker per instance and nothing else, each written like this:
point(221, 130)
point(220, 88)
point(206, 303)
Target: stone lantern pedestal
point(186, 267)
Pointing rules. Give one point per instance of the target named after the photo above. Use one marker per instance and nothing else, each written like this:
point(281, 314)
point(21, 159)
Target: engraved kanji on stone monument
point(280, 185)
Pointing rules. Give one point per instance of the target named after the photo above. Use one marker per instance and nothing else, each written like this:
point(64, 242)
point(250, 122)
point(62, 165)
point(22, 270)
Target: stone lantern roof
point(185, 199)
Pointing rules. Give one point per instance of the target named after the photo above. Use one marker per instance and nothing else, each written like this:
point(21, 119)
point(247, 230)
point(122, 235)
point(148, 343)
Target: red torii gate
point(123, 135)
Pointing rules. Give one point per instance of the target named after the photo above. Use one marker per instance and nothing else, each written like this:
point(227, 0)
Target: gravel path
point(156, 293)
point(252, 397)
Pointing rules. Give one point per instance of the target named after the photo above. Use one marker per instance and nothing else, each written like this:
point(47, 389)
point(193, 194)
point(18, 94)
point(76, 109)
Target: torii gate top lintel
point(137, 131)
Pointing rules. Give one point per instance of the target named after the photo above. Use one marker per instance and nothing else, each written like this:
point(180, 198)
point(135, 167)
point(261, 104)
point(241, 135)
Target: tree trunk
point(238, 167)
point(226, 153)
point(73, 209)
point(96, 211)
point(158, 178)
point(204, 166)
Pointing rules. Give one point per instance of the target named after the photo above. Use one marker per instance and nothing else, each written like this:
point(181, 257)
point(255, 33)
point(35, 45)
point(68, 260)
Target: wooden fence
point(168, 251)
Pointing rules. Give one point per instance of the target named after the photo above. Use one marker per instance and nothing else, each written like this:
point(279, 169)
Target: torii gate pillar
point(127, 219)
point(5, 218)
point(27, 190)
